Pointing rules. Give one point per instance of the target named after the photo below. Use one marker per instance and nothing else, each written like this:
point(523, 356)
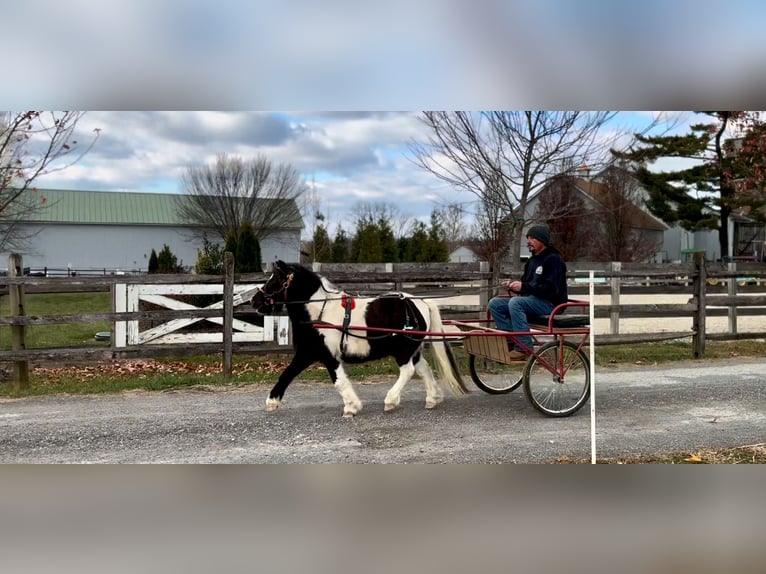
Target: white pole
point(592, 371)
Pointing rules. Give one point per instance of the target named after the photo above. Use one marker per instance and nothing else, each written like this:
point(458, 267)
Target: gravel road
point(638, 410)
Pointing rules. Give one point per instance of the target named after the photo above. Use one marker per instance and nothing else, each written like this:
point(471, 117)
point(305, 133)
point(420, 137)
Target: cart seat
point(560, 321)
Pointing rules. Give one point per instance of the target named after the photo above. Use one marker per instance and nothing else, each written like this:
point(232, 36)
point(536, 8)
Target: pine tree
point(366, 247)
point(322, 246)
point(153, 263)
point(166, 261)
point(437, 242)
point(209, 258)
point(231, 244)
point(417, 246)
point(248, 256)
point(389, 248)
point(699, 197)
point(340, 247)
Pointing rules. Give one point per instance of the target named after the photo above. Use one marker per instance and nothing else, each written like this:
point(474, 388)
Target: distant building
point(90, 230)
point(463, 254)
point(593, 195)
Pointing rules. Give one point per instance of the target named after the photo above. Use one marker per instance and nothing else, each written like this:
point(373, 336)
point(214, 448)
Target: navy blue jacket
point(545, 276)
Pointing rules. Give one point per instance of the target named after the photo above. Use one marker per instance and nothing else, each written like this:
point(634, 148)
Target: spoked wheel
point(550, 392)
point(494, 377)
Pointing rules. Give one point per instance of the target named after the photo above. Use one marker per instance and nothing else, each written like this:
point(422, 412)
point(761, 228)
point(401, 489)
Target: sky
point(345, 158)
point(354, 66)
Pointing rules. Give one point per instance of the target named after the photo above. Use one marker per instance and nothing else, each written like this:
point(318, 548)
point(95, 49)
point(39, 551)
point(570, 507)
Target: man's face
point(535, 246)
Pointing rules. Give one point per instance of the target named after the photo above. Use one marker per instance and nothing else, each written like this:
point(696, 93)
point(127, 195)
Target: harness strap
point(348, 303)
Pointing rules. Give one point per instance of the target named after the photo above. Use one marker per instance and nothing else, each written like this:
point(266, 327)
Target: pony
point(323, 318)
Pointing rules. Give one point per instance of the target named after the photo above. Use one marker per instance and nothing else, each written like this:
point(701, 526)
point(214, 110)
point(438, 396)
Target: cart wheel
point(552, 394)
point(494, 377)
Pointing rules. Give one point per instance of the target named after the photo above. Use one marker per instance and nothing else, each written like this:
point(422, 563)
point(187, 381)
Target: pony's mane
point(328, 285)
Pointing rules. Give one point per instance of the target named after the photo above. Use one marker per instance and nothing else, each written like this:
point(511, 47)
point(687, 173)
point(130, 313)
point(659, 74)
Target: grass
point(746, 454)
point(67, 335)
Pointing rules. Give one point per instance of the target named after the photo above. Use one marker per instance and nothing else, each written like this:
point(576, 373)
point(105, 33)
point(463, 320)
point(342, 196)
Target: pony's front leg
point(297, 365)
point(351, 402)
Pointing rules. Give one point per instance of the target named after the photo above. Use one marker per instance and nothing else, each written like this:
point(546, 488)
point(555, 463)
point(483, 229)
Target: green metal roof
point(112, 207)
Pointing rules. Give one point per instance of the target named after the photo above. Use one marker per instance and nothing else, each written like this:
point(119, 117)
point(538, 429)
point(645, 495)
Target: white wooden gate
point(128, 298)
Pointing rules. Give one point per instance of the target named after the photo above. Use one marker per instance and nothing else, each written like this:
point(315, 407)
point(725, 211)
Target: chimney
point(584, 172)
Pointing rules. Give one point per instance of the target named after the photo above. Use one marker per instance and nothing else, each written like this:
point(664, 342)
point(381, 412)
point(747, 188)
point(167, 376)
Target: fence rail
point(714, 290)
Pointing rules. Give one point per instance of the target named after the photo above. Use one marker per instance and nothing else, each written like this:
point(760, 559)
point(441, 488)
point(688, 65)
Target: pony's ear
point(281, 266)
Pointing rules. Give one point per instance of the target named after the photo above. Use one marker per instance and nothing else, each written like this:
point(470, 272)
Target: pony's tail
point(446, 366)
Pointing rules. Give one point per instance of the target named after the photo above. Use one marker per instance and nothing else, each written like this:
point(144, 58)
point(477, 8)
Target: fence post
point(698, 289)
point(484, 285)
point(732, 290)
point(228, 314)
point(17, 300)
point(614, 316)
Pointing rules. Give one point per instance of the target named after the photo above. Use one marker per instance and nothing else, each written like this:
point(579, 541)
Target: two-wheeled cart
point(555, 375)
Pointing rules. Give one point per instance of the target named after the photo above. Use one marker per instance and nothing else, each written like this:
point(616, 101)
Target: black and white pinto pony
point(322, 318)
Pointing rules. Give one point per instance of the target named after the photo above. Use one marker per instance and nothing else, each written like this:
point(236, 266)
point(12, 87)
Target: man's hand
point(514, 286)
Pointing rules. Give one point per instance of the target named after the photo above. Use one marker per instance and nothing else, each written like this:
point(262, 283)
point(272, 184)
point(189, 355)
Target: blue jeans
point(510, 314)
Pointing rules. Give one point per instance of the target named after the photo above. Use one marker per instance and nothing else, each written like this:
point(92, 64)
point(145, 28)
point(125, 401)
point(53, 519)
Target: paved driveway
point(639, 410)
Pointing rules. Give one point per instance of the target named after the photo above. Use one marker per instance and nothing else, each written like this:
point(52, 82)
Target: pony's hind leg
point(351, 402)
point(434, 393)
point(394, 395)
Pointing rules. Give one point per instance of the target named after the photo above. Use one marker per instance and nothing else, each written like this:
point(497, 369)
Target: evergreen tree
point(322, 246)
point(366, 247)
point(209, 258)
point(340, 247)
point(167, 262)
point(248, 255)
point(437, 242)
point(231, 243)
point(403, 244)
point(389, 248)
point(153, 263)
point(698, 197)
point(417, 248)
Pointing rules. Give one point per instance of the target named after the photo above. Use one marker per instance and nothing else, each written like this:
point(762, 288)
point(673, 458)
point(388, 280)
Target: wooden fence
point(731, 290)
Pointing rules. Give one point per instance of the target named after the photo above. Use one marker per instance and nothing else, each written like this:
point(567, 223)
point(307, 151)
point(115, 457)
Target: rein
point(282, 289)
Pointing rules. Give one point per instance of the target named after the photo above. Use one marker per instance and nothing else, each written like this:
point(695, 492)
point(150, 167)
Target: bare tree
point(623, 232)
point(503, 157)
point(399, 221)
point(232, 191)
point(32, 144)
point(317, 223)
point(565, 212)
point(492, 236)
point(455, 228)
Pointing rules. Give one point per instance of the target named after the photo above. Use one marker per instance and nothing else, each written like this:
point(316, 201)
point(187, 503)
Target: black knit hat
point(541, 233)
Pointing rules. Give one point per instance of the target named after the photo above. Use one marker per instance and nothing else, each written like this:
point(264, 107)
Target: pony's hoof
point(431, 403)
point(272, 405)
point(389, 408)
point(348, 415)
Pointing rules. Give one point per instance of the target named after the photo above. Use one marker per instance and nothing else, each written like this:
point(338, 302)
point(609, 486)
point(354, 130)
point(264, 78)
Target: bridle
point(270, 297)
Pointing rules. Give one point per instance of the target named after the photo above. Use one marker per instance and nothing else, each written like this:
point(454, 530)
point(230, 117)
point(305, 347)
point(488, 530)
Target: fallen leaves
point(143, 368)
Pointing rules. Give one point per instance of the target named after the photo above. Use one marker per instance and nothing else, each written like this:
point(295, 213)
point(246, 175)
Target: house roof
point(637, 217)
point(115, 207)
